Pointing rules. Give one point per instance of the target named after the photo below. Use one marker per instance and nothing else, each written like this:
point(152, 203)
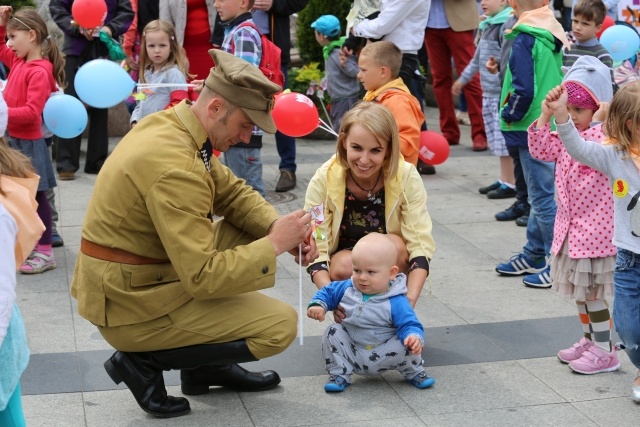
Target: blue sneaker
point(335, 384)
point(56, 240)
point(422, 380)
point(540, 280)
point(521, 264)
point(514, 211)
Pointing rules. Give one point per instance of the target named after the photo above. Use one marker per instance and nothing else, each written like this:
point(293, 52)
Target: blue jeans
point(286, 145)
point(246, 163)
point(539, 177)
point(626, 303)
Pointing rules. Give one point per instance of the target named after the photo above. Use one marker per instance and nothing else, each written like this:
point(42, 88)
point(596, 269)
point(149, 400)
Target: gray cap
point(590, 73)
point(244, 85)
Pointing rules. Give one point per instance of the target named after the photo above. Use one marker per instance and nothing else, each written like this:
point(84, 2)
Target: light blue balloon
point(102, 83)
point(65, 116)
point(621, 41)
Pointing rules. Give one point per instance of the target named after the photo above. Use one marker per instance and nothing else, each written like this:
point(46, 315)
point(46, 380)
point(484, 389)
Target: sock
point(44, 249)
point(584, 319)
point(600, 323)
point(511, 186)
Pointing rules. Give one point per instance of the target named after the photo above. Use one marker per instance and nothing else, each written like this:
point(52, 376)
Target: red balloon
point(295, 114)
point(608, 22)
point(89, 13)
point(434, 148)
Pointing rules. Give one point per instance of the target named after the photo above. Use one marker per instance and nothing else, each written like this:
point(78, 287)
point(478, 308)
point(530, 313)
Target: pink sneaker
point(595, 360)
point(576, 350)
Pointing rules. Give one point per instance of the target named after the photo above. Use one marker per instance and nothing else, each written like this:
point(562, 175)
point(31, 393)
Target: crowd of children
point(541, 81)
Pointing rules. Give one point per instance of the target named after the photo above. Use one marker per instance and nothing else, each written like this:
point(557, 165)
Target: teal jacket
point(534, 69)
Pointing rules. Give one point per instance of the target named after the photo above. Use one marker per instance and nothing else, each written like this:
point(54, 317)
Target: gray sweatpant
point(344, 358)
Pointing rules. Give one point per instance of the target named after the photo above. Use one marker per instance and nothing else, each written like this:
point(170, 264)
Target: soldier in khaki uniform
point(169, 286)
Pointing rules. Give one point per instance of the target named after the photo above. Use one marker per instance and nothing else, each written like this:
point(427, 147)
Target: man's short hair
point(590, 10)
point(384, 53)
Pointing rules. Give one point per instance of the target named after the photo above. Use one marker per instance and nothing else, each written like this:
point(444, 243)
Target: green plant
point(310, 80)
point(310, 50)
point(17, 4)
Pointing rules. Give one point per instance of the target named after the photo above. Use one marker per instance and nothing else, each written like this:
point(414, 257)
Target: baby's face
point(371, 275)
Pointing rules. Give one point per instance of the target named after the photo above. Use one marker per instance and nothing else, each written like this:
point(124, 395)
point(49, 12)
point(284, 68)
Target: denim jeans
point(626, 303)
point(286, 145)
point(539, 177)
point(246, 163)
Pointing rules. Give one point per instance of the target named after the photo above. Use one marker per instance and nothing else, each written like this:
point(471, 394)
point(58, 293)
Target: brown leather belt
point(116, 255)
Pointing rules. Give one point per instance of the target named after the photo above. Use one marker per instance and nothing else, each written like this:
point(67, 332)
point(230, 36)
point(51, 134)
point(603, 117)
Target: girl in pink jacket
point(583, 256)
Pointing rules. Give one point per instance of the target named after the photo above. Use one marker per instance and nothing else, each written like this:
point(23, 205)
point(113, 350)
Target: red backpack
point(270, 61)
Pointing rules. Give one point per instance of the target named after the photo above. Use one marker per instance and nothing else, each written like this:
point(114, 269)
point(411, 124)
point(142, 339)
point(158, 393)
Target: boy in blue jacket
point(380, 331)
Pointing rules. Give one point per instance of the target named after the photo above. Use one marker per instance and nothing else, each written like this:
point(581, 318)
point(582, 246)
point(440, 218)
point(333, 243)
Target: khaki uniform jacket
point(154, 197)
point(462, 14)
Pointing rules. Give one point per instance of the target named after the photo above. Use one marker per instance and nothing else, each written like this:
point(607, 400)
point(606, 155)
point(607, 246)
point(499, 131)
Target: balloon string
point(327, 128)
point(150, 85)
point(326, 114)
point(300, 293)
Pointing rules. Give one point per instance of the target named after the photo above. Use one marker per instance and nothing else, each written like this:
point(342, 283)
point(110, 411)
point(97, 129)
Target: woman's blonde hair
point(377, 119)
point(623, 119)
point(27, 19)
point(13, 163)
point(177, 55)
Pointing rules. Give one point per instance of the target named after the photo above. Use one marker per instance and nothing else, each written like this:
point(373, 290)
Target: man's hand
point(107, 30)
point(262, 4)
point(556, 100)
point(413, 344)
point(289, 231)
point(316, 312)
point(492, 65)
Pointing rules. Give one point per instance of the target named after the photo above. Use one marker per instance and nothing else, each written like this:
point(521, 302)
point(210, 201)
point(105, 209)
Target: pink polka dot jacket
point(584, 197)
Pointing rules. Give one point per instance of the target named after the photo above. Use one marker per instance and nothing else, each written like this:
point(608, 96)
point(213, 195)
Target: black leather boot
point(234, 377)
point(209, 365)
point(144, 378)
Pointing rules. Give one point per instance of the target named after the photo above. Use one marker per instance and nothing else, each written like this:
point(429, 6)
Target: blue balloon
point(102, 83)
point(65, 116)
point(621, 41)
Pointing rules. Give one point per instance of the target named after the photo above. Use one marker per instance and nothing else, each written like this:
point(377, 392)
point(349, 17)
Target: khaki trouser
point(267, 325)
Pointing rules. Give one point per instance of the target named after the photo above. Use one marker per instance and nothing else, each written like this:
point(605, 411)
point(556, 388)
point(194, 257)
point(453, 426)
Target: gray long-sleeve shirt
point(624, 175)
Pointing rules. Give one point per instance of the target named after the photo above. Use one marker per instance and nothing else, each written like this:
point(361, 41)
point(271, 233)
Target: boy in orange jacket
point(379, 64)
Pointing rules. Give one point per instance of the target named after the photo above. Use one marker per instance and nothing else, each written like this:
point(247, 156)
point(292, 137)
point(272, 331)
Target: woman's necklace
point(364, 189)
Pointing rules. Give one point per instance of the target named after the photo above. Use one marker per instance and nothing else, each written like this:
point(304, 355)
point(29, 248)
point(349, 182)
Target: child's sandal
point(38, 263)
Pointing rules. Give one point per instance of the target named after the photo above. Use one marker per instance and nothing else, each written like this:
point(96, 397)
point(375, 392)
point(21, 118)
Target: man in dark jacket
point(80, 46)
point(272, 18)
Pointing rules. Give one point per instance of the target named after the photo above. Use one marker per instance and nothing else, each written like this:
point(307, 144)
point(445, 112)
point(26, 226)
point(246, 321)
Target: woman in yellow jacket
point(365, 187)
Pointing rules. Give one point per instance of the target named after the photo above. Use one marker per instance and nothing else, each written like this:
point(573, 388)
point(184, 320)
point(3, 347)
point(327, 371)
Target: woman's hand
point(339, 314)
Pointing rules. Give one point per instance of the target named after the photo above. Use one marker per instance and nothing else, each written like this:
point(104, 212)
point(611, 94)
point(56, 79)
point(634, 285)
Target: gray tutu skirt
point(582, 279)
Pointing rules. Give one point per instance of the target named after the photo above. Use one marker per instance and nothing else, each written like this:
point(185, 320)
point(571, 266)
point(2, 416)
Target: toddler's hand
point(316, 312)
point(492, 65)
point(556, 100)
point(343, 58)
point(413, 344)
point(456, 87)
point(601, 114)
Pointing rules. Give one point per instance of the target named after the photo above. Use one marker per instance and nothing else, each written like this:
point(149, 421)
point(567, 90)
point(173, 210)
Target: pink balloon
point(434, 148)
point(295, 114)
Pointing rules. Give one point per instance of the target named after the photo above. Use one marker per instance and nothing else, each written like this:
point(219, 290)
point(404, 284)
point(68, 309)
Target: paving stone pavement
point(490, 341)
